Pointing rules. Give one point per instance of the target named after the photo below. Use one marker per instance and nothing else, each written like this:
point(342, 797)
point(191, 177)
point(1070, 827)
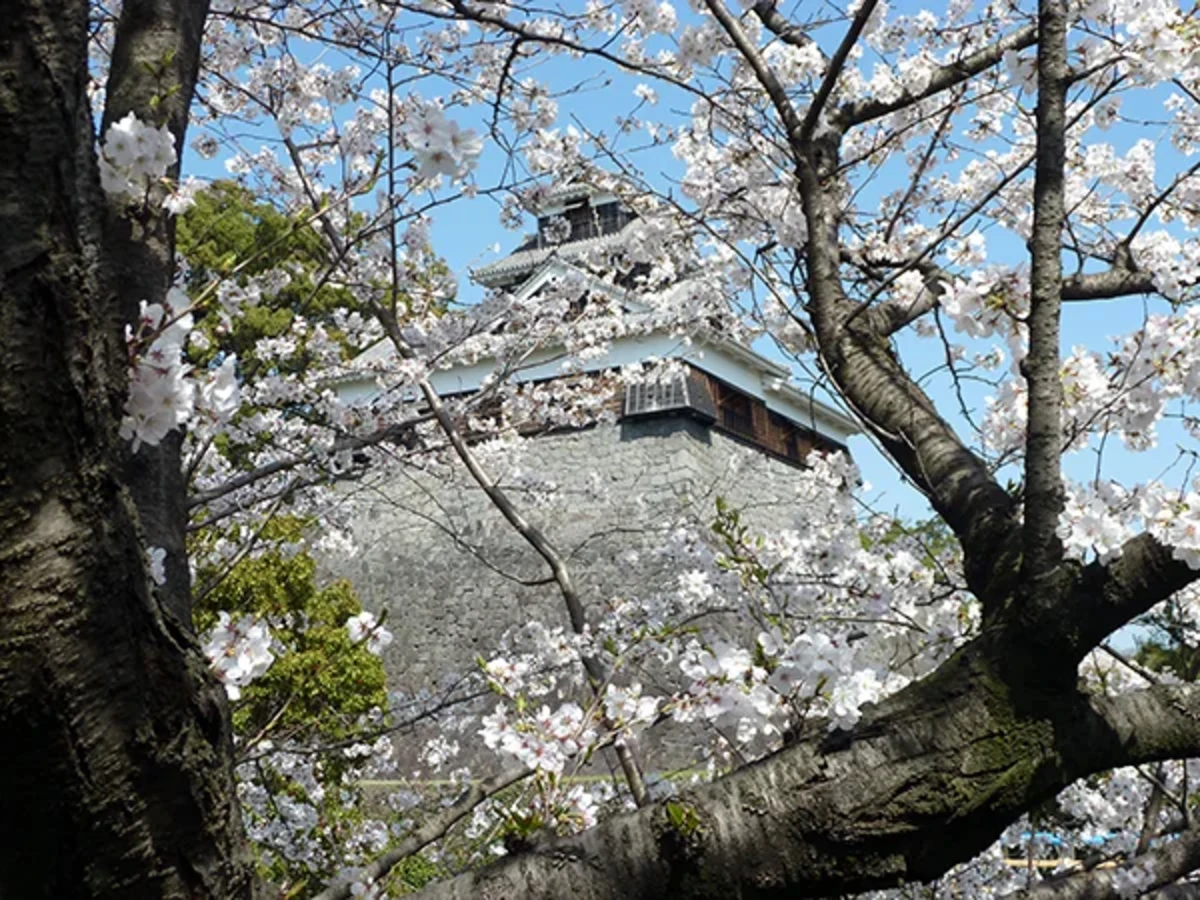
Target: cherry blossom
point(240, 650)
point(161, 396)
point(155, 562)
point(364, 627)
point(133, 156)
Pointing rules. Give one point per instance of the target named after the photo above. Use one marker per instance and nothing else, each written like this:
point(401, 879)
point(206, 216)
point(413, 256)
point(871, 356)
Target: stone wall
point(453, 576)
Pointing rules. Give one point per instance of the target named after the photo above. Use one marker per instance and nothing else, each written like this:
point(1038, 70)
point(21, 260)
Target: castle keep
point(453, 576)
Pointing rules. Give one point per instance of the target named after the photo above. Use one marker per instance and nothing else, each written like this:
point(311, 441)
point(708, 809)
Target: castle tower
point(451, 573)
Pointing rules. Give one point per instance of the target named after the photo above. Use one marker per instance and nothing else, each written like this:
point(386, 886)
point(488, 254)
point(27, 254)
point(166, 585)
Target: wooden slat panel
point(758, 416)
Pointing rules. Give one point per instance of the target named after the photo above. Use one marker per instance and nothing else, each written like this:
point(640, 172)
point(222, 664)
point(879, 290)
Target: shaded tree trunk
point(115, 761)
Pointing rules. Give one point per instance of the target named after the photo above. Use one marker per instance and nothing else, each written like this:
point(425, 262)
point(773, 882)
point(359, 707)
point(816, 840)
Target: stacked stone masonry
point(453, 576)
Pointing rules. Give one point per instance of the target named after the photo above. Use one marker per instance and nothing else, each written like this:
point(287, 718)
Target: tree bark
point(1042, 550)
point(156, 60)
point(927, 779)
point(115, 763)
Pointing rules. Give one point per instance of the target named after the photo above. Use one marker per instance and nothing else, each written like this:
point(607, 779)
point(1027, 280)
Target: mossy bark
point(927, 779)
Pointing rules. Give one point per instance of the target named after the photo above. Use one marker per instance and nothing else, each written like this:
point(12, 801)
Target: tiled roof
point(572, 190)
point(524, 261)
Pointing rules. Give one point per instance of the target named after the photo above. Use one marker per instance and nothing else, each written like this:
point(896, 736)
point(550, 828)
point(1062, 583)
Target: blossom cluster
point(302, 815)
point(134, 156)
point(814, 673)
point(364, 627)
point(161, 396)
point(156, 564)
point(1100, 517)
point(239, 650)
point(440, 146)
point(164, 391)
point(541, 739)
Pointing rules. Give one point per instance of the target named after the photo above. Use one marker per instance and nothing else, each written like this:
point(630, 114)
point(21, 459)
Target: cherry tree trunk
point(115, 750)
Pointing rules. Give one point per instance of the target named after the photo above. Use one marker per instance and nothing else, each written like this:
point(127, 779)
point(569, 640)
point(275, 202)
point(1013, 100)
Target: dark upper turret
point(572, 220)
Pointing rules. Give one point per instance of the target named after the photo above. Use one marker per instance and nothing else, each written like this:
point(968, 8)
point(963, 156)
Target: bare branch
point(858, 112)
point(1154, 204)
point(535, 537)
point(779, 98)
point(347, 443)
point(1164, 865)
point(965, 216)
point(834, 70)
point(459, 10)
point(431, 830)
point(779, 25)
point(1123, 278)
point(247, 546)
point(918, 171)
point(1158, 796)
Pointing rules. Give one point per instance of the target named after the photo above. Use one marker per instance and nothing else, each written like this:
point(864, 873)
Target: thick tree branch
point(857, 112)
point(887, 319)
point(863, 366)
point(1106, 597)
point(926, 779)
point(1044, 496)
point(1148, 725)
point(1117, 281)
point(866, 371)
point(904, 420)
point(1187, 891)
point(155, 62)
point(1152, 811)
